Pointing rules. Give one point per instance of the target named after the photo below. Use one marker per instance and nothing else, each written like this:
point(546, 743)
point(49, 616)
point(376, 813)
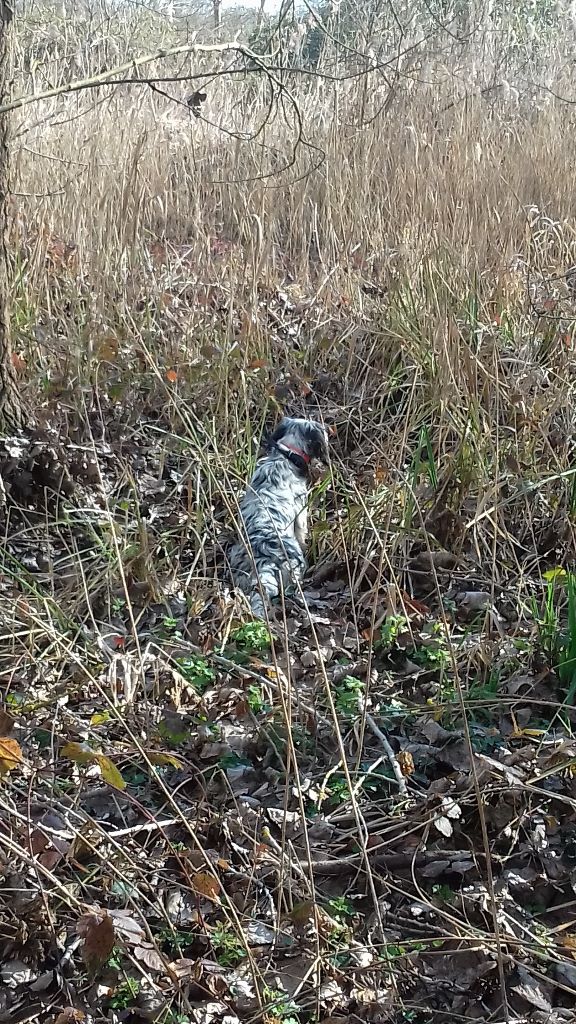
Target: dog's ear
point(317, 442)
point(283, 428)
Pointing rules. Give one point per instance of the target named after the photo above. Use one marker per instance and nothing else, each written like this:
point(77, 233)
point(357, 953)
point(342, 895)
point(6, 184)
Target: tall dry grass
point(417, 227)
point(416, 188)
point(387, 253)
point(399, 204)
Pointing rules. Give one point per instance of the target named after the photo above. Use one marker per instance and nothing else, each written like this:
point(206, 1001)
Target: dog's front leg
point(301, 528)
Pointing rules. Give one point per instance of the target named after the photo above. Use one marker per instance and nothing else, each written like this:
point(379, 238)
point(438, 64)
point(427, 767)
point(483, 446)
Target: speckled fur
point(274, 512)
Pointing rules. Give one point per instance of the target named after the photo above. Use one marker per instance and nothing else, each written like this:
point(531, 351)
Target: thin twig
point(390, 755)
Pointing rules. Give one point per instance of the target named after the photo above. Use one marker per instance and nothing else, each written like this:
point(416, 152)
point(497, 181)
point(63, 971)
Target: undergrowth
point(363, 809)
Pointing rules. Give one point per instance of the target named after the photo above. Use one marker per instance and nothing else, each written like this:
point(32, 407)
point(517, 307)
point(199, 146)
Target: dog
point(274, 514)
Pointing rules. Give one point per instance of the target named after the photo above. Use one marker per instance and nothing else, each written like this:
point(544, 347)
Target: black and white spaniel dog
point(274, 512)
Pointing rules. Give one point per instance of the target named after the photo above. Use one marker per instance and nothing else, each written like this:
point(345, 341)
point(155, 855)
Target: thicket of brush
point(418, 206)
point(373, 223)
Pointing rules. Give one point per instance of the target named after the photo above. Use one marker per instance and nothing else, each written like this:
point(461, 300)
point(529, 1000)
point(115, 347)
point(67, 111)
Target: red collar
point(297, 451)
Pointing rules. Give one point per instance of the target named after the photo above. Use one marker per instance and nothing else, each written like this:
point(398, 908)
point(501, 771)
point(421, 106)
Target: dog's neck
point(294, 455)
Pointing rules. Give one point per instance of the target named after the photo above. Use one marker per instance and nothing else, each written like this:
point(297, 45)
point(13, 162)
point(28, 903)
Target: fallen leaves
point(534, 990)
point(7, 723)
point(206, 885)
point(84, 755)
point(150, 957)
point(272, 801)
point(70, 1015)
point(451, 811)
point(427, 561)
point(50, 839)
point(98, 934)
point(109, 771)
point(406, 762)
point(10, 755)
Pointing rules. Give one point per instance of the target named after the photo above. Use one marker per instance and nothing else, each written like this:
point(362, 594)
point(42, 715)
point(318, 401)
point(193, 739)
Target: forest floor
point(367, 813)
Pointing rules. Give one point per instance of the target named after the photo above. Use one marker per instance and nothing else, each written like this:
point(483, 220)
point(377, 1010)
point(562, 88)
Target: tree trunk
point(217, 10)
point(11, 412)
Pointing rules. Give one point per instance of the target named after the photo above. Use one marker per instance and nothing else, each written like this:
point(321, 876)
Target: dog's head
point(306, 436)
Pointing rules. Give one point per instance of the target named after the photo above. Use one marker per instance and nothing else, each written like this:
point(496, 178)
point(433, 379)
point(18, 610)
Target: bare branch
point(132, 65)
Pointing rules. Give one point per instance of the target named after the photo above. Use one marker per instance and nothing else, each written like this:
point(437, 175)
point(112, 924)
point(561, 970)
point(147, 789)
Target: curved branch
point(104, 77)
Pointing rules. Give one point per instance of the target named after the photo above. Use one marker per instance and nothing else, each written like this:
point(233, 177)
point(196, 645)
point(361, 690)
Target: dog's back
point(270, 553)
